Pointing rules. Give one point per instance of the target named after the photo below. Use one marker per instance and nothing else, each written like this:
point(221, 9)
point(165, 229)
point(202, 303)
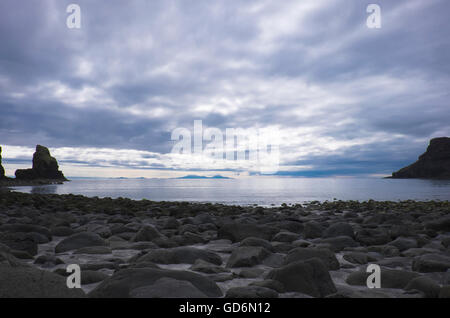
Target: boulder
point(425, 285)
point(441, 224)
point(434, 163)
point(390, 278)
point(285, 236)
point(270, 283)
point(91, 277)
point(339, 229)
point(207, 268)
point(356, 258)
point(26, 228)
point(28, 282)
point(146, 233)
point(254, 241)
point(431, 263)
point(122, 283)
point(310, 277)
point(180, 255)
point(79, 240)
point(251, 292)
point(168, 288)
point(305, 253)
point(236, 232)
point(44, 167)
point(247, 256)
point(312, 229)
point(402, 243)
point(20, 242)
point(370, 237)
point(338, 243)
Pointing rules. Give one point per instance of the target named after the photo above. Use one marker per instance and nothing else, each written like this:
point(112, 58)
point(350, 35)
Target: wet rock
point(338, 243)
point(270, 283)
point(48, 260)
point(310, 277)
point(26, 228)
point(207, 268)
point(79, 240)
point(424, 284)
point(274, 260)
point(339, 229)
point(390, 278)
point(251, 292)
point(251, 273)
point(312, 230)
point(403, 243)
point(168, 288)
point(431, 263)
point(20, 242)
point(247, 256)
point(180, 255)
point(93, 250)
point(91, 277)
point(171, 223)
point(369, 237)
point(254, 241)
point(61, 231)
point(285, 237)
point(446, 242)
point(303, 254)
point(237, 232)
point(189, 238)
point(28, 282)
point(122, 283)
point(356, 258)
point(442, 224)
point(445, 292)
point(146, 233)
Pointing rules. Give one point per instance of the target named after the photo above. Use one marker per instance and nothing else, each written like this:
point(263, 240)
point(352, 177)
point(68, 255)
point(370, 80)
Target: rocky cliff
point(44, 167)
point(433, 164)
point(2, 170)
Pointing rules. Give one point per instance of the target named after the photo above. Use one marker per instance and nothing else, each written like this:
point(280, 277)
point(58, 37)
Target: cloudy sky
point(346, 99)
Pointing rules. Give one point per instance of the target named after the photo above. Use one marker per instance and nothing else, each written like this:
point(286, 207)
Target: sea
point(262, 191)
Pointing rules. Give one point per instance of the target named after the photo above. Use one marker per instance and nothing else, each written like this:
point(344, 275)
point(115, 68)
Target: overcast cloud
point(346, 99)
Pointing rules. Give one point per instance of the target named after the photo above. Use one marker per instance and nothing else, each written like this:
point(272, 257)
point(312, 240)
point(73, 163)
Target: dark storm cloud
point(136, 70)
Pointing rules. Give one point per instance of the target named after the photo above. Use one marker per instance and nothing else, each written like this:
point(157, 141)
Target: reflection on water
point(258, 190)
point(44, 189)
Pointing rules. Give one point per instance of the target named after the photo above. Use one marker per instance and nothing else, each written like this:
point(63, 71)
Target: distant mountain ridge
point(203, 177)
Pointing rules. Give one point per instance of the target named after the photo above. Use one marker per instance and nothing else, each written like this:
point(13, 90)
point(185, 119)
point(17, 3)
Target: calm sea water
point(261, 191)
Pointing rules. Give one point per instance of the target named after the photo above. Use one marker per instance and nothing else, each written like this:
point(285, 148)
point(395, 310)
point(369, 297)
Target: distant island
point(203, 177)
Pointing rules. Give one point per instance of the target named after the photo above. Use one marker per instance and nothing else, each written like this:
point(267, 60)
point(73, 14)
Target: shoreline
point(12, 182)
point(216, 250)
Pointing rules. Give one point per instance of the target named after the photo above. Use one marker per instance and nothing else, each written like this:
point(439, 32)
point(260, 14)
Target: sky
point(344, 99)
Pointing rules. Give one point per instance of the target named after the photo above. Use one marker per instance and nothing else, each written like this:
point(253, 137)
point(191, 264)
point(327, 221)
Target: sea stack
point(433, 164)
point(44, 167)
point(2, 170)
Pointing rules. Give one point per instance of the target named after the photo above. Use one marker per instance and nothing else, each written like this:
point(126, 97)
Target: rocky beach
point(147, 249)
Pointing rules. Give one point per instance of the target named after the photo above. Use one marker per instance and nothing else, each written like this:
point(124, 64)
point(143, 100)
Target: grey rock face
point(434, 163)
point(44, 167)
